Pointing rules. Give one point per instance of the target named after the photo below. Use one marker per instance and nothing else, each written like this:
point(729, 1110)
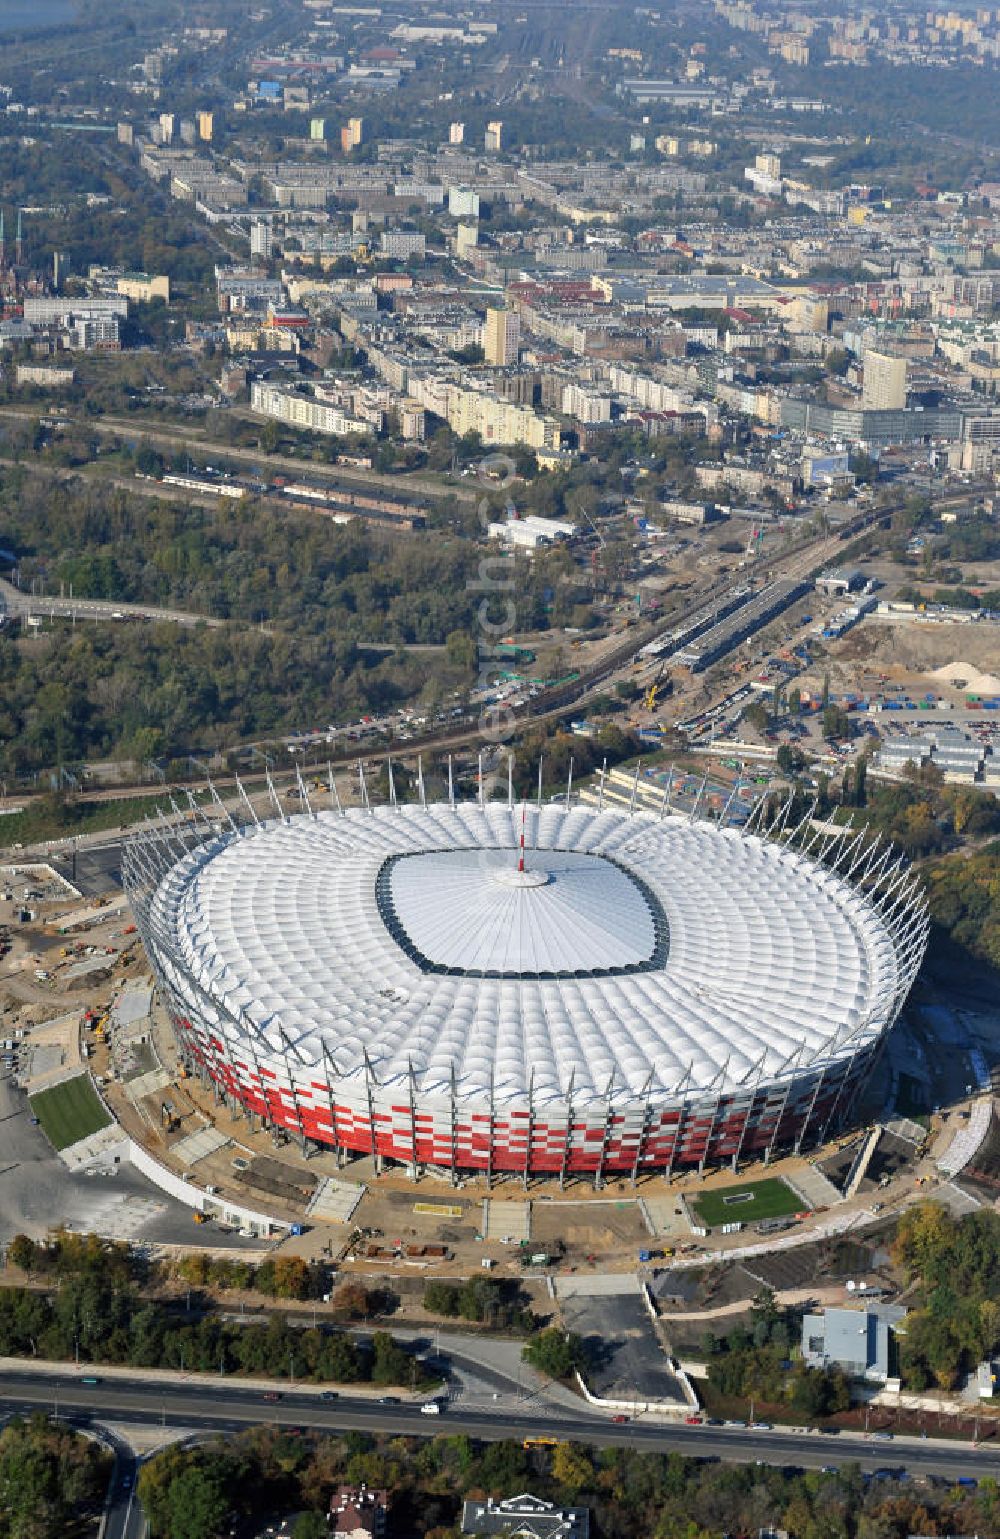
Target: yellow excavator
point(658, 687)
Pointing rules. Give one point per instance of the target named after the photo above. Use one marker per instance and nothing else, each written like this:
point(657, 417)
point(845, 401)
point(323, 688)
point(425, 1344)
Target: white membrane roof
point(662, 953)
point(473, 910)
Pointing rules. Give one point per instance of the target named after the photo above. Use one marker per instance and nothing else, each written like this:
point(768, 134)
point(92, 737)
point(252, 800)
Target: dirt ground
point(899, 648)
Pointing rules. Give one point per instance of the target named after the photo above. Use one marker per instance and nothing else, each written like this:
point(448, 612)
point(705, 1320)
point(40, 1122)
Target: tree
point(555, 1352)
point(572, 1468)
point(352, 1301)
point(836, 723)
point(196, 1504)
point(21, 1253)
point(789, 758)
point(311, 1525)
point(390, 1363)
point(291, 1278)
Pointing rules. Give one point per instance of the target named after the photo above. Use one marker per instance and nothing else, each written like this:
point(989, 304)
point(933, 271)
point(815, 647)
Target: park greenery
point(753, 1361)
point(482, 1299)
point(197, 1493)
point(99, 1303)
point(52, 1480)
point(953, 1268)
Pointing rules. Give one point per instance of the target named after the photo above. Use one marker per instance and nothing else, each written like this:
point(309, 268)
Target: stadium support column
point(804, 1130)
point(682, 1118)
point(454, 1127)
point(845, 1080)
point(635, 787)
point(697, 801)
point(541, 761)
point(252, 1047)
point(569, 782)
point(275, 798)
point(569, 1129)
point(719, 1081)
point(369, 1075)
point(411, 1086)
point(604, 773)
point(248, 804)
point(531, 1128)
point(793, 1070)
point(643, 1129)
point(333, 787)
point(489, 1136)
point(337, 1149)
point(750, 1110)
point(602, 1157)
point(291, 1090)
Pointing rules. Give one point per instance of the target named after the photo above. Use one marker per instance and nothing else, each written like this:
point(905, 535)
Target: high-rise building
point(467, 236)
point(206, 126)
point(463, 203)
point(317, 128)
point(884, 385)
point(261, 239)
point(456, 133)
point(126, 133)
point(352, 134)
point(768, 164)
point(501, 337)
point(167, 125)
point(494, 135)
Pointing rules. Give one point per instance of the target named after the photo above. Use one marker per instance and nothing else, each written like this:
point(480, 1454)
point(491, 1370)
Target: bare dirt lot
point(902, 647)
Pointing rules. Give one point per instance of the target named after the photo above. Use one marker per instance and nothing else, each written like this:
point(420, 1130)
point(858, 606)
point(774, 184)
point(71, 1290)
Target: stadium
point(543, 991)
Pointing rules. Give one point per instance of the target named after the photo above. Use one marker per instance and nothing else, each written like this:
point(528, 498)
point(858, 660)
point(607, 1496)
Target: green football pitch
point(69, 1112)
point(771, 1198)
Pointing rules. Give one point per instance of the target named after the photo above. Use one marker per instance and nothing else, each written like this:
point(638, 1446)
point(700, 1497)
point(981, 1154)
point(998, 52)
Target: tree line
point(269, 1474)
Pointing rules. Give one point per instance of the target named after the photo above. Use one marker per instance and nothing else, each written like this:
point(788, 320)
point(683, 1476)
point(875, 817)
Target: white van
point(430, 1408)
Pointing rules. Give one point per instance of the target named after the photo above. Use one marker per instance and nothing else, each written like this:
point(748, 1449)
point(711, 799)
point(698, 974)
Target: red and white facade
point(631, 994)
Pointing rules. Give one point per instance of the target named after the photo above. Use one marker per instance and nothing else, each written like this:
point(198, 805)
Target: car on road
point(388, 1400)
point(126, 1482)
point(329, 1394)
point(692, 1421)
point(430, 1408)
point(272, 1394)
point(619, 1420)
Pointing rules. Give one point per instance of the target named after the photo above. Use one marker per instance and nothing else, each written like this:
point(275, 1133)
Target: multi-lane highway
point(17, 602)
point(207, 1406)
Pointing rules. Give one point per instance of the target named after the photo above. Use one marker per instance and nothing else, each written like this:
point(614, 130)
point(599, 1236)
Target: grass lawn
point(69, 1112)
point(745, 1204)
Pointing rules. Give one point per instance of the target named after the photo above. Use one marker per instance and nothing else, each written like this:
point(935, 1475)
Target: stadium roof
point(661, 953)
